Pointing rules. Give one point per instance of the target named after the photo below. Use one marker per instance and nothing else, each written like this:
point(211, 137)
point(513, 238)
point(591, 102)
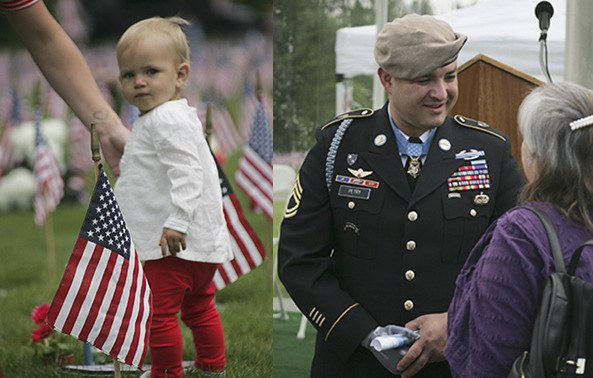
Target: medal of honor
point(414, 167)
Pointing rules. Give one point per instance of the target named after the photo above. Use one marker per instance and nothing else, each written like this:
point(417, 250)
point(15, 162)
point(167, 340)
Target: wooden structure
point(491, 91)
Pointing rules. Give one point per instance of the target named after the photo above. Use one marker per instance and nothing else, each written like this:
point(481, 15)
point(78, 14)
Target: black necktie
point(413, 166)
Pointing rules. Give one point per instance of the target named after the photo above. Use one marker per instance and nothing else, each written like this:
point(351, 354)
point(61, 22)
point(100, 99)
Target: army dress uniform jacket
point(358, 249)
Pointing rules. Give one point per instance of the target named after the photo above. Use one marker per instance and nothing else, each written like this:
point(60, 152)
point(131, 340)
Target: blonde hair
point(170, 27)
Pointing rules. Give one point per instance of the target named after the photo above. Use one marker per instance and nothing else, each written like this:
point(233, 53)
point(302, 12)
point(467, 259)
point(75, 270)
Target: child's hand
point(173, 240)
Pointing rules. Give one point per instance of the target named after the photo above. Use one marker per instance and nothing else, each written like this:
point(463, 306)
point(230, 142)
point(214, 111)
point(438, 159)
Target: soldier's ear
point(386, 79)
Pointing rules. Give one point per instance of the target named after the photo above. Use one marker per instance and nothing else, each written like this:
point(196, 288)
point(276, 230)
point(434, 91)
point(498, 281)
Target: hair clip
point(581, 122)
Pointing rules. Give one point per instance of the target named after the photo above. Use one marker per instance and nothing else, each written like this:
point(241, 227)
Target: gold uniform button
point(473, 212)
point(408, 305)
point(410, 275)
point(412, 216)
point(411, 245)
point(351, 205)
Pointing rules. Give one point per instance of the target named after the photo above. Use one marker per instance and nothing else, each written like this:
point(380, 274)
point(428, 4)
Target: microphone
point(544, 11)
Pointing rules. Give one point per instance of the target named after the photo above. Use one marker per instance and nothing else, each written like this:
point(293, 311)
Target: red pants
point(187, 286)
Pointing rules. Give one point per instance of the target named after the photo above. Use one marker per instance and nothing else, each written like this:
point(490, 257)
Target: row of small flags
point(227, 136)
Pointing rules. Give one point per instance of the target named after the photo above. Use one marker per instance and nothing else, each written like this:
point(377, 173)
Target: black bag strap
point(553, 238)
point(574, 260)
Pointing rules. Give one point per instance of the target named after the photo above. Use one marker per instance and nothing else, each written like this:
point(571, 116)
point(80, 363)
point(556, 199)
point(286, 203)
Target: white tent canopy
point(505, 30)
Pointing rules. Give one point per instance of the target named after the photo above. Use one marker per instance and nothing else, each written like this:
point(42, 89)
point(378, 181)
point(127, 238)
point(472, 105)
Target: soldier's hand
point(429, 347)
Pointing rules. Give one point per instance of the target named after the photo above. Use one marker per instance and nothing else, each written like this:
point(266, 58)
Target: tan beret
point(414, 46)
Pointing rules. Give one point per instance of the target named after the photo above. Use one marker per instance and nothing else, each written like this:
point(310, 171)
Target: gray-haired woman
point(499, 290)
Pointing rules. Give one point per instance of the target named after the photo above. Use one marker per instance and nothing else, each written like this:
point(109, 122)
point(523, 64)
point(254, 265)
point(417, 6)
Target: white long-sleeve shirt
point(169, 179)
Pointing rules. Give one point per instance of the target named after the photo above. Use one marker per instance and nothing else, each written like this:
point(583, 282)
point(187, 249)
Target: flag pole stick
point(95, 148)
point(96, 156)
point(48, 227)
point(49, 245)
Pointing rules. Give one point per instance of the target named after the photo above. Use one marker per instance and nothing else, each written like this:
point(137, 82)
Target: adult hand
point(172, 240)
point(429, 347)
point(66, 69)
point(389, 357)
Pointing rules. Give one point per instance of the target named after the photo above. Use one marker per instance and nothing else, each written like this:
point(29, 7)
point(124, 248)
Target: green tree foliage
point(304, 71)
point(305, 60)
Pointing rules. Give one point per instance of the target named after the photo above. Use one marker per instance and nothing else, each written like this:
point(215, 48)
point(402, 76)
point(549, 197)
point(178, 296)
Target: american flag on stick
point(50, 186)
point(10, 104)
point(254, 176)
point(104, 297)
point(247, 248)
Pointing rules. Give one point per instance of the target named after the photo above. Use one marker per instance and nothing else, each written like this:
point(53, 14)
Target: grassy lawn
point(292, 357)
point(25, 282)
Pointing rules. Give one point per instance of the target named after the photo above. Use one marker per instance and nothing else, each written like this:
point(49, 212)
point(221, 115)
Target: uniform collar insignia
point(359, 173)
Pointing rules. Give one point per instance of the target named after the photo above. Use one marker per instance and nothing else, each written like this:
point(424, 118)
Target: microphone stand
point(543, 55)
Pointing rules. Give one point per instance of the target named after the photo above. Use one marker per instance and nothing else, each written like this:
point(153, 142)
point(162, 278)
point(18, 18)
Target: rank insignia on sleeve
point(292, 206)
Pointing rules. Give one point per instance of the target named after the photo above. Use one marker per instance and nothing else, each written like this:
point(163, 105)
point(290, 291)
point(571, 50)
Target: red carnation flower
point(39, 313)
point(41, 332)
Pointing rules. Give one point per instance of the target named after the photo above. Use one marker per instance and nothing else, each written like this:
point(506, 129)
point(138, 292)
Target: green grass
point(25, 282)
point(292, 357)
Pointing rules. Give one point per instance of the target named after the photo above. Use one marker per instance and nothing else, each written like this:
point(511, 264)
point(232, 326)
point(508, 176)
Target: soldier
point(387, 206)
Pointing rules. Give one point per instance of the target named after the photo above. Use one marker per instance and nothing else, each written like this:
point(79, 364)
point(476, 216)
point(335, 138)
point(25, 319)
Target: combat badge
point(469, 155)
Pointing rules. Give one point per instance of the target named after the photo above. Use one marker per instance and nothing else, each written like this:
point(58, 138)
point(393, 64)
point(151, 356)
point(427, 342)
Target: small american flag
point(10, 105)
point(104, 297)
point(247, 248)
point(50, 186)
point(254, 176)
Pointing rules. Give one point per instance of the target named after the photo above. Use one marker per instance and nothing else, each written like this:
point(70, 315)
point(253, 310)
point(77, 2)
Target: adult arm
point(496, 298)
point(65, 68)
